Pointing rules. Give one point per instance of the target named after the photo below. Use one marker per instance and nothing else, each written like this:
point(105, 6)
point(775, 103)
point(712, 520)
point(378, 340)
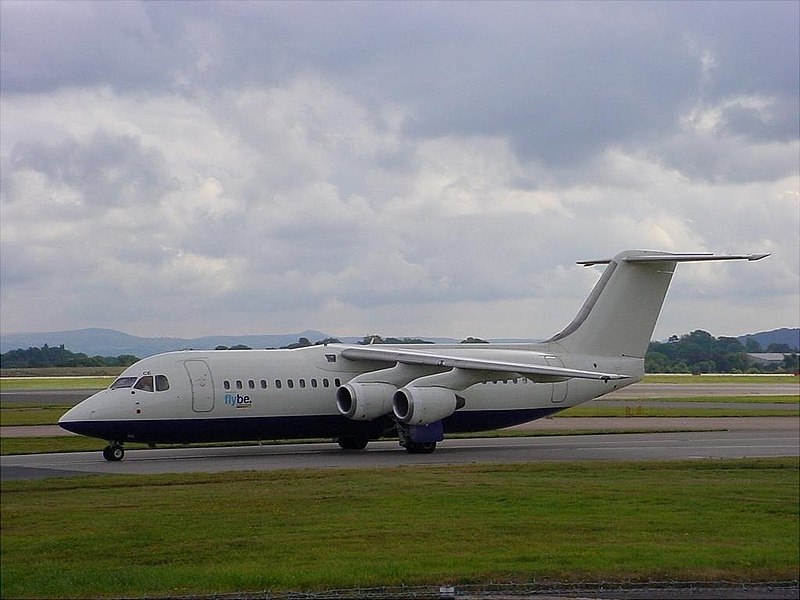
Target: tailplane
point(619, 315)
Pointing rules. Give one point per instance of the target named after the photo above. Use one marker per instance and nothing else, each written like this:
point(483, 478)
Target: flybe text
point(238, 400)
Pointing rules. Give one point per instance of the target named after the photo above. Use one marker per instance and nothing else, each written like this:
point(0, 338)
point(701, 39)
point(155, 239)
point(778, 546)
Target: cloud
point(181, 169)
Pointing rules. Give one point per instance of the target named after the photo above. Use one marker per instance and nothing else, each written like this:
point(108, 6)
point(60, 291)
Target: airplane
point(417, 393)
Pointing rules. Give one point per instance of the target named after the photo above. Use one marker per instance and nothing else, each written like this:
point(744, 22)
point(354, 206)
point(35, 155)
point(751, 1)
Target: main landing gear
point(352, 442)
point(114, 452)
point(420, 439)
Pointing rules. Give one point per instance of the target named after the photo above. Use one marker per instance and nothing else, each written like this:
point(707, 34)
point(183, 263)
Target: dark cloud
point(277, 165)
point(102, 172)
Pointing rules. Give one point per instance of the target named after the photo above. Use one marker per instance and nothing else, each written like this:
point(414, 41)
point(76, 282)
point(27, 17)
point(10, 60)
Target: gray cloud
point(191, 168)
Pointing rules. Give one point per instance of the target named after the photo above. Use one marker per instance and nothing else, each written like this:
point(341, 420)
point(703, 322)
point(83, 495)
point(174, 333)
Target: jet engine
point(424, 405)
point(365, 401)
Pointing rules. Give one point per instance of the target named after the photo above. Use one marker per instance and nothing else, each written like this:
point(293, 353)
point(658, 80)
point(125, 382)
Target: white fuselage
point(224, 395)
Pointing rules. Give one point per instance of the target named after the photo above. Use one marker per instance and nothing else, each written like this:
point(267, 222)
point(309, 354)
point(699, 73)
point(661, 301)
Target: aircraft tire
point(352, 443)
point(114, 452)
point(420, 447)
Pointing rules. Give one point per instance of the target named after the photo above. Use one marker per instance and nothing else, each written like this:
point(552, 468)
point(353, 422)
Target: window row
point(278, 383)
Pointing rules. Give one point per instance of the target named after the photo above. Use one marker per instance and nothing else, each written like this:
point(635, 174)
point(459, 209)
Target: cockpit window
point(123, 382)
point(145, 383)
point(162, 383)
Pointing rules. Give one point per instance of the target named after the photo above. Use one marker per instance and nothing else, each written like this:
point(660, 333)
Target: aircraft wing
point(542, 373)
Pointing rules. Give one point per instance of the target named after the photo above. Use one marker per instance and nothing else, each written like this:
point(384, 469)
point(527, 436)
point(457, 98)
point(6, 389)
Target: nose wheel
point(114, 452)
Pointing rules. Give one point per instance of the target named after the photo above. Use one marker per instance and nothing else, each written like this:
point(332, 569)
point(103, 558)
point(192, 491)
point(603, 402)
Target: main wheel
point(352, 442)
point(420, 447)
point(114, 452)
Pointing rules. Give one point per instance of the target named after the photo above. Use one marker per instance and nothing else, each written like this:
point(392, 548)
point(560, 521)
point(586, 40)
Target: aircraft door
point(202, 385)
point(559, 391)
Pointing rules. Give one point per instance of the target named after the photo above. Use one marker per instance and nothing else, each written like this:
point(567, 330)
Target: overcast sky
point(182, 169)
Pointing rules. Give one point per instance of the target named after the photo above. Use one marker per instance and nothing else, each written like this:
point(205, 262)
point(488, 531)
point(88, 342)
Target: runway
point(736, 443)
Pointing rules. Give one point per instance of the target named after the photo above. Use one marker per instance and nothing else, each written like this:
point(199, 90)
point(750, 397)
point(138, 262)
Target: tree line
point(695, 352)
point(700, 352)
point(58, 356)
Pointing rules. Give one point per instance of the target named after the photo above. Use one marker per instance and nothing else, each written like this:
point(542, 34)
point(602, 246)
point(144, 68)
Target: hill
point(790, 337)
point(109, 342)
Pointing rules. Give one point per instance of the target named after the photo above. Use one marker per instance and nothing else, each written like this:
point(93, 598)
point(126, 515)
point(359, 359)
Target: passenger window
point(325, 383)
point(263, 384)
point(313, 383)
point(145, 383)
point(290, 383)
point(337, 382)
point(162, 383)
point(278, 383)
point(302, 383)
point(226, 384)
point(251, 384)
point(239, 384)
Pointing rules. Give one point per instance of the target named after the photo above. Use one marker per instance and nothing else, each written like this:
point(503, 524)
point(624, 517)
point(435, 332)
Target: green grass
point(310, 530)
point(46, 414)
point(688, 412)
point(21, 384)
point(784, 399)
point(720, 378)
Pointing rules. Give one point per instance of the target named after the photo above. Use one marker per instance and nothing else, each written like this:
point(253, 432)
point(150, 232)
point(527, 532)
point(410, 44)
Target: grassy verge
point(21, 384)
point(716, 399)
point(310, 530)
point(46, 414)
point(688, 412)
point(720, 378)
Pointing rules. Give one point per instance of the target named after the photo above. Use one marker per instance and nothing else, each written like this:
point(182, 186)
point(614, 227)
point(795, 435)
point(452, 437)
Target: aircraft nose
point(76, 417)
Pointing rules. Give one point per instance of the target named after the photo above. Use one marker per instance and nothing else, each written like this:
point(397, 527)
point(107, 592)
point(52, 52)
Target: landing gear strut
point(114, 452)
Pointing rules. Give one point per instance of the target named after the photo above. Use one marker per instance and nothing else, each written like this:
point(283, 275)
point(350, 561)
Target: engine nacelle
point(365, 401)
point(424, 405)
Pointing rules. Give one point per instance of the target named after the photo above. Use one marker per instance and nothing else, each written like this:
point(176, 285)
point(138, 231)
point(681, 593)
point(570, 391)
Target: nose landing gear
point(114, 452)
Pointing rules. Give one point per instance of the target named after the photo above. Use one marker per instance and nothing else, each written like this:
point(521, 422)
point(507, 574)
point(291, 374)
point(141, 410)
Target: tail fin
point(619, 315)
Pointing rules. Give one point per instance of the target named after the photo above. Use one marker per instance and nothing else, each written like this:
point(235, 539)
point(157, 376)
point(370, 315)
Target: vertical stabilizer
point(620, 314)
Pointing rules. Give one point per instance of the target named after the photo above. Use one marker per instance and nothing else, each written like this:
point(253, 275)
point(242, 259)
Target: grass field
point(310, 530)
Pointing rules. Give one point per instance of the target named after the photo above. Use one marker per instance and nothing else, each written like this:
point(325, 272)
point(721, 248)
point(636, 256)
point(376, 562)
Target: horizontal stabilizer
point(676, 257)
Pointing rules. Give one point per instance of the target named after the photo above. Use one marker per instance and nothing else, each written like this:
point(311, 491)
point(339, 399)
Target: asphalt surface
point(763, 442)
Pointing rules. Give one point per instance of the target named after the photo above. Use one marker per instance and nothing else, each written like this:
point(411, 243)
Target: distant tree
point(790, 363)
point(405, 340)
point(473, 340)
point(303, 342)
point(221, 348)
point(752, 346)
point(59, 356)
point(696, 352)
point(779, 348)
point(240, 347)
point(330, 340)
point(371, 339)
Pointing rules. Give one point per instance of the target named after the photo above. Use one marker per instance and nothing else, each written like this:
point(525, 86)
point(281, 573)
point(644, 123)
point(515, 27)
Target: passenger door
point(202, 385)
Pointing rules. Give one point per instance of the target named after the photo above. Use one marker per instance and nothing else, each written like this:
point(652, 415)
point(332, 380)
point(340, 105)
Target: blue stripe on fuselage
point(183, 431)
